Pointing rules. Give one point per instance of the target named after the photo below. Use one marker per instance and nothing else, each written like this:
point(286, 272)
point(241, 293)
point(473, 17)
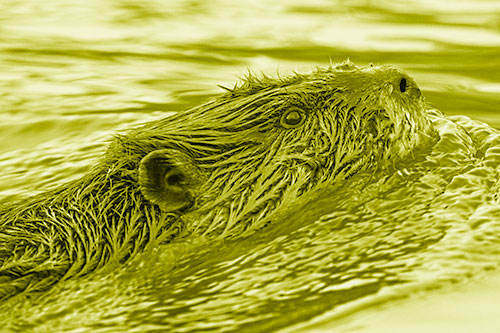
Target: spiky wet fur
point(253, 166)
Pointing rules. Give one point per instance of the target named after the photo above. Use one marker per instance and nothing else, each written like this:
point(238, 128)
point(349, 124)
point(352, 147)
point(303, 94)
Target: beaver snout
point(407, 86)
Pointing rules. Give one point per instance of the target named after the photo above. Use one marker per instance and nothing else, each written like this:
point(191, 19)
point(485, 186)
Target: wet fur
point(251, 166)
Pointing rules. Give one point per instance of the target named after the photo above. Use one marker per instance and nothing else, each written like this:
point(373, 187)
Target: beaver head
point(264, 143)
point(220, 170)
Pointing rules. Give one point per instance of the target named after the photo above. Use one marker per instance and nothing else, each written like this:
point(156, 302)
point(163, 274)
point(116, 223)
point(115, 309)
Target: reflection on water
point(74, 72)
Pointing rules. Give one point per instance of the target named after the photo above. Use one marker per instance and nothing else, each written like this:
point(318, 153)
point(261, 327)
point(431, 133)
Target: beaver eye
point(293, 117)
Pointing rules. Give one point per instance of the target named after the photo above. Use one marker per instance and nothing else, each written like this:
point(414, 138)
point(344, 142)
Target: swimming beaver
point(219, 170)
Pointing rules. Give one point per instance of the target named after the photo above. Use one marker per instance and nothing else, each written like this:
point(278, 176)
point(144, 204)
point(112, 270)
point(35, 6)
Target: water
point(72, 73)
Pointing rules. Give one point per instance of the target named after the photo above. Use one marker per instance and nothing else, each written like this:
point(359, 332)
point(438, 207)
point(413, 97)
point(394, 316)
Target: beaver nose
point(402, 85)
point(407, 85)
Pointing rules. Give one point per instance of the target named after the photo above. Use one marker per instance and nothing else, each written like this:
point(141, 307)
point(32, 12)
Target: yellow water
point(74, 72)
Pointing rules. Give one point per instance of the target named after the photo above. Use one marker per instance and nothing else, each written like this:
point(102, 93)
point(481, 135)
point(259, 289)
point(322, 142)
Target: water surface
point(72, 73)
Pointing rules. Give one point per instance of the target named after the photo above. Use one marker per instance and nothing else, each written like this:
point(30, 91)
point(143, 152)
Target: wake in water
point(311, 196)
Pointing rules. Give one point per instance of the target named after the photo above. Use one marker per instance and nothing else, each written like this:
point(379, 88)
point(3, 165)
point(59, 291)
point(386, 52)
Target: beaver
point(219, 170)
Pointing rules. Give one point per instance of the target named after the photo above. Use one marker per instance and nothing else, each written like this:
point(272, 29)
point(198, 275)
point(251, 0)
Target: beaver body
point(220, 170)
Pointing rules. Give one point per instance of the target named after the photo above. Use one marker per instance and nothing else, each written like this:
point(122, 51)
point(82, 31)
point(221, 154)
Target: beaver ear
point(169, 178)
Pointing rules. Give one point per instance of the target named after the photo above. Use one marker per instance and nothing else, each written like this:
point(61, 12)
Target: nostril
point(402, 85)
